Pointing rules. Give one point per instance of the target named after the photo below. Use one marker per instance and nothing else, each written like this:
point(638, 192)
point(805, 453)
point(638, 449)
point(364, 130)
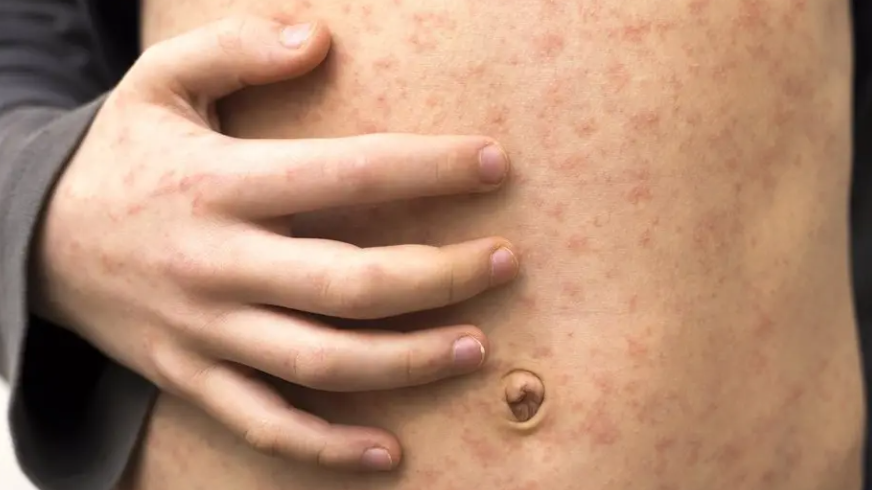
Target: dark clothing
point(76, 415)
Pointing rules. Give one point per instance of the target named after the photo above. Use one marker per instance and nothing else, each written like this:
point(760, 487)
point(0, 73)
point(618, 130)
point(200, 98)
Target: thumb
point(221, 58)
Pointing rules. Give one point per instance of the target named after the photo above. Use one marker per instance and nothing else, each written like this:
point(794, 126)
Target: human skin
point(679, 196)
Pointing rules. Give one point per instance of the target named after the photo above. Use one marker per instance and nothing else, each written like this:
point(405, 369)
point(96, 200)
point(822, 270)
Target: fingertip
point(494, 164)
point(504, 265)
point(469, 353)
point(308, 42)
point(377, 459)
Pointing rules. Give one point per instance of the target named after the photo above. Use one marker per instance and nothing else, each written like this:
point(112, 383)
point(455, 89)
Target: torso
point(679, 196)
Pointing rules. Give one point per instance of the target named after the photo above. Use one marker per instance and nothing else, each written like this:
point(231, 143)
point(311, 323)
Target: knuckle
point(448, 278)
point(232, 34)
point(320, 456)
point(156, 54)
point(316, 367)
point(358, 295)
point(188, 264)
point(264, 435)
point(410, 371)
point(171, 370)
point(456, 165)
point(358, 170)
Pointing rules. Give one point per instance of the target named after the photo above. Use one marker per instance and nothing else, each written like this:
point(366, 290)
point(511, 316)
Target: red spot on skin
point(664, 445)
point(698, 7)
point(637, 350)
point(556, 212)
point(634, 33)
point(637, 174)
point(758, 362)
point(198, 206)
point(549, 45)
point(791, 16)
point(585, 128)
point(434, 22)
point(694, 447)
point(633, 304)
point(572, 165)
point(599, 426)
point(129, 178)
point(385, 63)
point(191, 180)
point(715, 228)
point(618, 77)
point(794, 396)
point(599, 222)
point(371, 127)
point(571, 290)
point(109, 264)
point(645, 121)
point(579, 244)
point(542, 353)
point(166, 184)
point(729, 455)
point(498, 116)
point(485, 453)
point(645, 239)
point(604, 383)
point(639, 194)
point(796, 88)
point(528, 302)
point(419, 44)
point(765, 325)
point(753, 14)
point(633, 388)
point(381, 101)
point(477, 71)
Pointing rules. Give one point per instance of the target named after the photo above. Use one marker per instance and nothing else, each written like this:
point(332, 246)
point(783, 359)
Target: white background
point(10, 477)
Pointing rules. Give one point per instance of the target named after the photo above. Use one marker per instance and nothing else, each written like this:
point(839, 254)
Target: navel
point(524, 394)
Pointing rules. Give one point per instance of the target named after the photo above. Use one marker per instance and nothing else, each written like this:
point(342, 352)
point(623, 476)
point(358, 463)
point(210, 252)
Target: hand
point(160, 247)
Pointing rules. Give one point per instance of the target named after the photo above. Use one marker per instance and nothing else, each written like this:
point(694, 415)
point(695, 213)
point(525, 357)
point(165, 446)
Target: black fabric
point(75, 416)
point(861, 198)
point(75, 426)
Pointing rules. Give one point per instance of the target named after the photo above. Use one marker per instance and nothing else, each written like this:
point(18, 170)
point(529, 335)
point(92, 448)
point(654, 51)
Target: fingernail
point(378, 459)
point(468, 353)
point(504, 267)
point(296, 36)
point(493, 164)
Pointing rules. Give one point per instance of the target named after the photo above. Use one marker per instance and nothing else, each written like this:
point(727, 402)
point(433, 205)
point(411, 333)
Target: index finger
point(269, 178)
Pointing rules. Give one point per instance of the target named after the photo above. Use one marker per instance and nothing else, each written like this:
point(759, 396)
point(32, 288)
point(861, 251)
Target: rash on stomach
point(680, 173)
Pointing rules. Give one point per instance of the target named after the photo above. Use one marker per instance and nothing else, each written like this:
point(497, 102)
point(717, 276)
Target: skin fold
point(679, 196)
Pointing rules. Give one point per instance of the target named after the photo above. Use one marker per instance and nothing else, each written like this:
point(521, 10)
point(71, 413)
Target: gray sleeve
point(75, 415)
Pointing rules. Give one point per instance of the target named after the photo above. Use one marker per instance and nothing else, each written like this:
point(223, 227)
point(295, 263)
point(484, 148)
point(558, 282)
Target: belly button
point(524, 395)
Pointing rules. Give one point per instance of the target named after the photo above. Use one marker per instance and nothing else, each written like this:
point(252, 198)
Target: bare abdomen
point(679, 192)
